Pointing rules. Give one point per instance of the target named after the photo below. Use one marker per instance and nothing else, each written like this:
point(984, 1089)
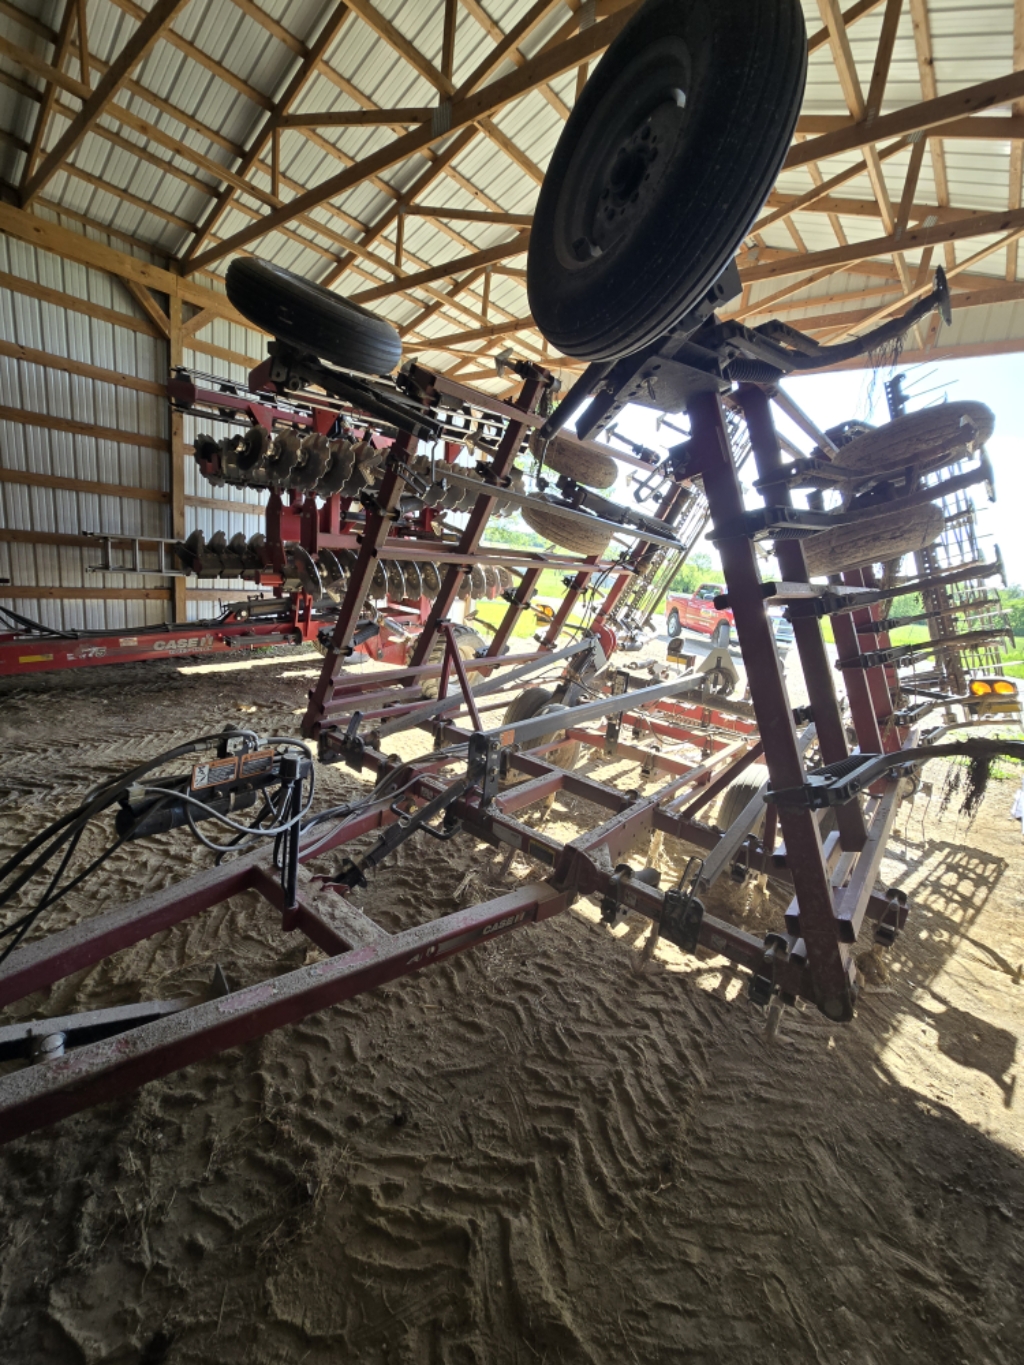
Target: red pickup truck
point(695, 611)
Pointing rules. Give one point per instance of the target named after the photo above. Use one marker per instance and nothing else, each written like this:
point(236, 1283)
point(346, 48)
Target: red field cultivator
point(376, 531)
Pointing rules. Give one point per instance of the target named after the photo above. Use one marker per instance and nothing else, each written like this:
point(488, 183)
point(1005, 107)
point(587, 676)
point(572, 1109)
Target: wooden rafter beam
point(390, 214)
point(395, 39)
point(445, 271)
point(63, 45)
point(469, 215)
point(979, 128)
point(928, 115)
point(306, 69)
point(819, 38)
point(906, 208)
point(842, 56)
point(28, 21)
point(956, 268)
point(518, 58)
point(53, 75)
point(357, 118)
point(142, 296)
point(504, 48)
point(498, 329)
point(1017, 149)
point(961, 229)
point(448, 34)
point(216, 169)
point(266, 21)
point(489, 100)
point(855, 318)
point(73, 246)
point(929, 88)
point(883, 58)
point(868, 208)
point(203, 59)
point(443, 300)
point(822, 191)
point(149, 32)
point(888, 283)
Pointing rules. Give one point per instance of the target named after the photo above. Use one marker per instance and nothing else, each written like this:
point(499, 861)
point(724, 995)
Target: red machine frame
point(833, 878)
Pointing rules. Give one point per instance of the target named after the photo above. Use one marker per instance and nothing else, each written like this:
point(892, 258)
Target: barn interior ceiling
point(393, 152)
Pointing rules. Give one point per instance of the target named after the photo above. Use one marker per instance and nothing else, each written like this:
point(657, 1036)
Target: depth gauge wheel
point(535, 701)
point(666, 158)
point(469, 644)
point(311, 318)
point(926, 439)
point(736, 798)
point(568, 533)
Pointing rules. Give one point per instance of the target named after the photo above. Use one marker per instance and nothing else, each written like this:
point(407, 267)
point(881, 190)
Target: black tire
point(311, 318)
point(673, 624)
point(741, 65)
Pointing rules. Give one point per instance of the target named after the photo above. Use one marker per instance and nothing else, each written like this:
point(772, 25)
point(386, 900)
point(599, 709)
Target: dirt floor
point(532, 1153)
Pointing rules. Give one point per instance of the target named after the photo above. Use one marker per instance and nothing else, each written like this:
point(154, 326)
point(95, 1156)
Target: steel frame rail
point(833, 880)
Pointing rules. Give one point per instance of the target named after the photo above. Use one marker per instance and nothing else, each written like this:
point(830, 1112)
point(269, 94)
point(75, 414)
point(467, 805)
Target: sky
point(830, 399)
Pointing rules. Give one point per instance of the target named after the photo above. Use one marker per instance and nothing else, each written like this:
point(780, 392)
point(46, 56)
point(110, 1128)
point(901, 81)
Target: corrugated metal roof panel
point(971, 42)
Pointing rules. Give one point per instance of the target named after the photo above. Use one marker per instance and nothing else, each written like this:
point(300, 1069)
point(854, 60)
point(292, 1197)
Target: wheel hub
point(635, 173)
point(625, 155)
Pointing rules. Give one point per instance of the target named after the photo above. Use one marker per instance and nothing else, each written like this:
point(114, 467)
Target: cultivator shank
point(359, 556)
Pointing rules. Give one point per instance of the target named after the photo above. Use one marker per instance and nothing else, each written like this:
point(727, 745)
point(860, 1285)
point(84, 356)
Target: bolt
point(584, 249)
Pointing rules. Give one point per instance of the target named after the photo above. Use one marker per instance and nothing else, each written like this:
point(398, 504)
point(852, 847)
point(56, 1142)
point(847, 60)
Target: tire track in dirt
point(529, 1153)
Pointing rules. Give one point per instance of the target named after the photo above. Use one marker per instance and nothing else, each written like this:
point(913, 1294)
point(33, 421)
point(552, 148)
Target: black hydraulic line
point(812, 356)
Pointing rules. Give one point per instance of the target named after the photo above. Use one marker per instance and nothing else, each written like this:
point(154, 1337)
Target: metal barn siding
point(48, 392)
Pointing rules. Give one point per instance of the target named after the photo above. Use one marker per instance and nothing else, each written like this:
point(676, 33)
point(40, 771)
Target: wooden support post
point(451, 19)
point(177, 434)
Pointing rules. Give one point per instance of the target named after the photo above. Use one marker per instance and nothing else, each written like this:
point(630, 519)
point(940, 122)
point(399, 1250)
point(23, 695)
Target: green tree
point(1014, 608)
point(693, 573)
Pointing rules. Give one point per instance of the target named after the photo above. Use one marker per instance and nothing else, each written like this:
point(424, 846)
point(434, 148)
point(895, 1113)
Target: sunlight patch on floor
point(236, 665)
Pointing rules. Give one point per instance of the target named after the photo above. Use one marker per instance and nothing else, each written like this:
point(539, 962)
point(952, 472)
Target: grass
point(525, 628)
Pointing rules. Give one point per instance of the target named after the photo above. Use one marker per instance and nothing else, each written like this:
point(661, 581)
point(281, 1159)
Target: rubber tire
point(566, 532)
point(745, 64)
point(673, 624)
point(470, 643)
point(581, 462)
point(311, 318)
point(530, 703)
point(909, 440)
point(737, 796)
point(873, 539)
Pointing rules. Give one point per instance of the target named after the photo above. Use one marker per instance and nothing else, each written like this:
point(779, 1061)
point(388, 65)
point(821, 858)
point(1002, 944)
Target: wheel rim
point(624, 157)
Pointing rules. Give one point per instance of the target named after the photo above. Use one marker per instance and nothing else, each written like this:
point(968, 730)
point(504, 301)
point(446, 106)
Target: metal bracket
point(780, 523)
point(485, 765)
point(837, 783)
point(619, 687)
point(879, 658)
point(762, 984)
point(613, 912)
point(889, 927)
point(682, 912)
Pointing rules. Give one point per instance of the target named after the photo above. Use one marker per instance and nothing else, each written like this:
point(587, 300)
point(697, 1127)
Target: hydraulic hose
point(820, 357)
